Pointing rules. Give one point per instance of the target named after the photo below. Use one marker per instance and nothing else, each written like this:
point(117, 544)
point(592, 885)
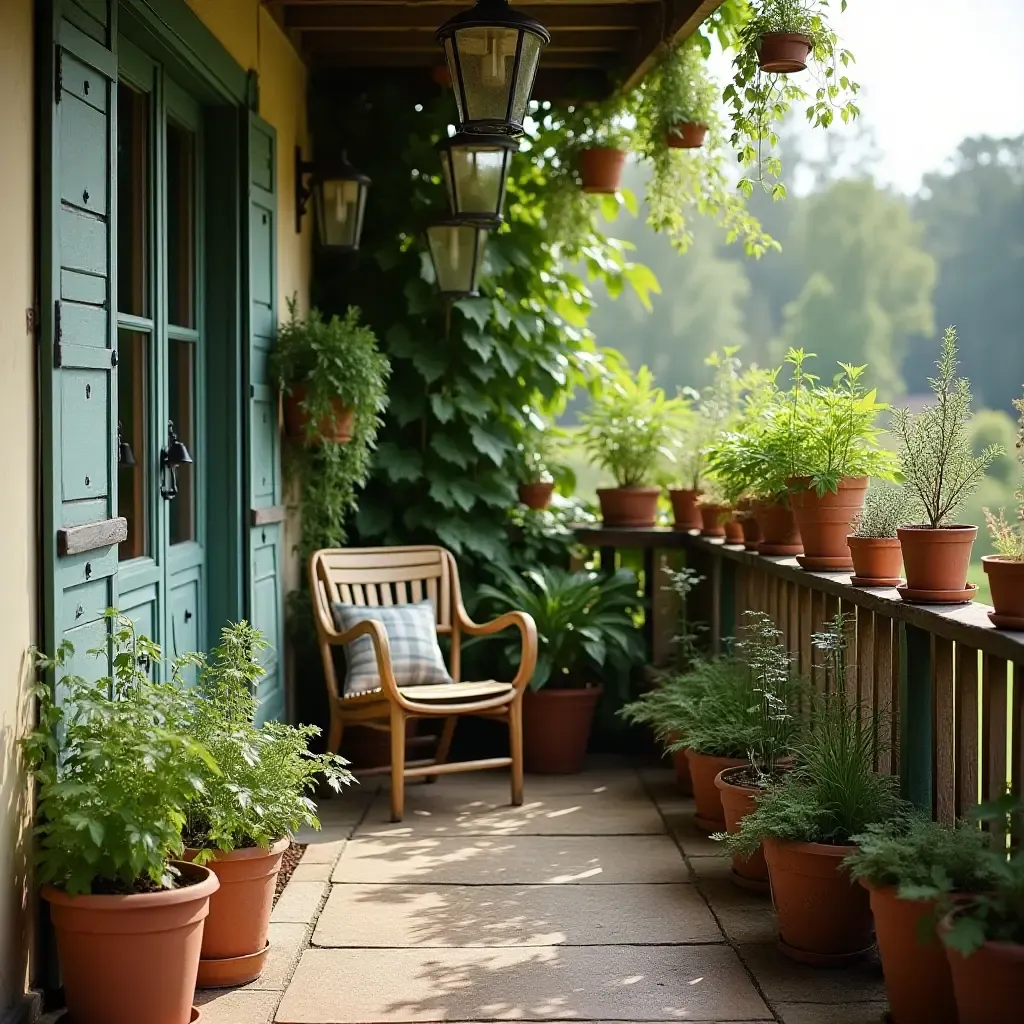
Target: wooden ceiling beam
point(426, 58)
point(374, 17)
point(663, 28)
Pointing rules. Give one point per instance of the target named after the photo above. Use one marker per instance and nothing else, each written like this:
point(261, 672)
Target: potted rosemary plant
point(874, 546)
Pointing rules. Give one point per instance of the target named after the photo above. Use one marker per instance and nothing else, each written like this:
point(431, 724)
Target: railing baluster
point(849, 612)
point(917, 733)
point(945, 756)
point(883, 696)
point(966, 726)
point(994, 689)
point(806, 600)
point(792, 637)
point(866, 661)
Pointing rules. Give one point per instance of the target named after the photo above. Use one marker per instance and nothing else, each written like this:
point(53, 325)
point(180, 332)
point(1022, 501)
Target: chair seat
point(455, 693)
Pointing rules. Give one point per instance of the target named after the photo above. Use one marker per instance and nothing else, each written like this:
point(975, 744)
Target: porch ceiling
point(594, 43)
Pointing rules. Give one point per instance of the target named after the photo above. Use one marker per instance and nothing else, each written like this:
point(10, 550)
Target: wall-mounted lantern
point(125, 455)
point(475, 169)
point(338, 192)
point(457, 251)
point(493, 52)
point(171, 457)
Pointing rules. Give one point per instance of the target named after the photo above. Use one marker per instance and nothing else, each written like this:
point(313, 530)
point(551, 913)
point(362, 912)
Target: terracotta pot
point(737, 802)
point(441, 75)
point(877, 561)
point(987, 984)
point(734, 531)
point(917, 978)
point(127, 959)
point(937, 559)
point(779, 532)
point(629, 506)
point(703, 769)
point(824, 916)
point(685, 513)
point(686, 135)
point(752, 535)
point(296, 419)
point(783, 53)
point(556, 729)
point(536, 495)
point(600, 170)
point(235, 936)
point(825, 521)
point(711, 520)
point(684, 781)
point(1006, 579)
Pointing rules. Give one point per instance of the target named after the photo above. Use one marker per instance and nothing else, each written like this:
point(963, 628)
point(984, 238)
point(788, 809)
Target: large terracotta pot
point(684, 781)
point(986, 984)
point(556, 729)
point(917, 978)
point(1006, 579)
point(128, 959)
point(824, 916)
point(783, 52)
point(733, 531)
point(825, 521)
point(779, 532)
point(752, 535)
point(937, 560)
point(685, 513)
point(537, 495)
point(296, 419)
point(737, 802)
point(235, 936)
point(600, 170)
point(712, 517)
point(686, 135)
point(877, 561)
point(629, 506)
point(703, 770)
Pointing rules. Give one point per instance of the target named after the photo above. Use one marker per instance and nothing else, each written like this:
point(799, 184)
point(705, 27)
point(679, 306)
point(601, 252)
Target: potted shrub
point(329, 372)
point(874, 546)
point(113, 778)
point(587, 637)
point(911, 867)
point(239, 823)
point(627, 431)
point(940, 471)
point(677, 102)
point(807, 821)
point(714, 510)
point(540, 465)
point(1005, 569)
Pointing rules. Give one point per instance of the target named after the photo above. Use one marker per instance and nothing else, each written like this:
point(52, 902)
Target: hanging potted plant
point(874, 545)
point(541, 468)
point(677, 99)
point(627, 431)
point(597, 140)
point(239, 824)
point(940, 472)
point(329, 372)
point(113, 778)
point(911, 867)
point(587, 638)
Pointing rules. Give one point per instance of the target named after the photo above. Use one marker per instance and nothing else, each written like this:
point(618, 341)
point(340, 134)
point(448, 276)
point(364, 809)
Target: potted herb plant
point(329, 372)
point(627, 431)
point(597, 140)
point(714, 509)
point(540, 464)
point(114, 778)
point(940, 471)
point(677, 101)
point(240, 821)
point(912, 866)
point(587, 637)
point(874, 546)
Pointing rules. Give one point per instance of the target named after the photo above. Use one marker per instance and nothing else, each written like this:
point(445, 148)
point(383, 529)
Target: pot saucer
point(825, 563)
point(708, 824)
point(938, 596)
point(758, 885)
point(780, 549)
point(804, 956)
point(232, 971)
point(196, 1018)
point(872, 581)
point(1006, 621)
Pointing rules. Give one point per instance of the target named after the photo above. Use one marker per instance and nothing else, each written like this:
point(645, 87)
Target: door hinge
point(58, 75)
point(58, 337)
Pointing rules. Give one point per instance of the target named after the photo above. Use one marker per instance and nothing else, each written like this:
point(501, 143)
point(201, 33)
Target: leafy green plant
point(542, 452)
point(886, 508)
point(677, 91)
point(1007, 537)
point(586, 626)
point(938, 464)
point(684, 642)
point(114, 774)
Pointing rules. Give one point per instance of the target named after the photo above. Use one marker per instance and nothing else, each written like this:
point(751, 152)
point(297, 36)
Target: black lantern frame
point(468, 241)
point(483, 205)
point(488, 24)
point(340, 174)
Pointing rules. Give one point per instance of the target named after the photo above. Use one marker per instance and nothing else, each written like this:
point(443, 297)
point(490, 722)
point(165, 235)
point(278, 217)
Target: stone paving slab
point(299, 902)
point(784, 981)
point(238, 1006)
point(628, 983)
point(513, 860)
point(505, 915)
point(823, 1013)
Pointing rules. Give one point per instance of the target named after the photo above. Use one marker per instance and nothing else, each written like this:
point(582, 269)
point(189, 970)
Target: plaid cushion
point(412, 634)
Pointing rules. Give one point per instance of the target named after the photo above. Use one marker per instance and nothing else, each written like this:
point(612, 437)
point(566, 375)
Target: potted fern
point(874, 545)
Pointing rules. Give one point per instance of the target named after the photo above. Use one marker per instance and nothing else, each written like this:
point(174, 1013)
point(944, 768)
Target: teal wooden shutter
point(77, 350)
point(266, 515)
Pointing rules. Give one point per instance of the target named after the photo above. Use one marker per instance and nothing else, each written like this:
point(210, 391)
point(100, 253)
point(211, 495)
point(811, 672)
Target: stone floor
point(595, 901)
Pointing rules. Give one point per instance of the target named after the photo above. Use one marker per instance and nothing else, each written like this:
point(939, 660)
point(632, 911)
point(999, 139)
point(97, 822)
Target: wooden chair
point(403, 575)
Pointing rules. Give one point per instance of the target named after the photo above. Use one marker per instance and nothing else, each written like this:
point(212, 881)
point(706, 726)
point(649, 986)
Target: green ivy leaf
point(400, 464)
point(430, 363)
point(450, 449)
point(481, 344)
point(443, 407)
point(489, 444)
point(477, 310)
point(400, 342)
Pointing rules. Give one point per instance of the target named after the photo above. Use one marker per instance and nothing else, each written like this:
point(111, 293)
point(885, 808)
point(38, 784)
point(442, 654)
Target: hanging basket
point(600, 170)
point(296, 420)
point(783, 53)
point(686, 135)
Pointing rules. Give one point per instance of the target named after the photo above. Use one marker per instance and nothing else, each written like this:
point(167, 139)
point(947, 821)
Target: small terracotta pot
point(734, 531)
point(703, 770)
point(877, 561)
point(737, 802)
point(536, 495)
point(556, 729)
point(752, 535)
point(600, 170)
point(127, 959)
point(986, 984)
point(1006, 580)
point(296, 419)
point(824, 916)
point(711, 520)
point(685, 513)
point(686, 135)
point(629, 506)
point(441, 75)
point(783, 53)
point(825, 521)
point(684, 781)
point(917, 977)
point(937, 559)
point(779, 532)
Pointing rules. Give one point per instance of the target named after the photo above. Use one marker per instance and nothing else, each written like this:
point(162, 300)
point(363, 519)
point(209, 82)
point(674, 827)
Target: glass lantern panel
point(340, 211)
point(527, 74)
point(487, 58)
point(479, 179)
point(456, 259)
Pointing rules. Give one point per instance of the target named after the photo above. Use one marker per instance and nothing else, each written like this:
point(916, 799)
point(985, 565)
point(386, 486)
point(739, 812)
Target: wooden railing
point(946, 686)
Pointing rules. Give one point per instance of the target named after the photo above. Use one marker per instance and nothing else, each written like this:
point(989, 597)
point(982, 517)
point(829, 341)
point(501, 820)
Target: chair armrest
point(381, 648)
point(526, 626)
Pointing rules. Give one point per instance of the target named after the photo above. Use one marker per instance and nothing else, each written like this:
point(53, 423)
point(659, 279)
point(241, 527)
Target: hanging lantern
point(475, 171)
point(457, 252)
point(493, 52)
point(339, 200)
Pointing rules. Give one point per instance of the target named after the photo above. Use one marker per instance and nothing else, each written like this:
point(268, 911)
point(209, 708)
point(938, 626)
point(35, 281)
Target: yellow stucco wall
point(17, 463)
